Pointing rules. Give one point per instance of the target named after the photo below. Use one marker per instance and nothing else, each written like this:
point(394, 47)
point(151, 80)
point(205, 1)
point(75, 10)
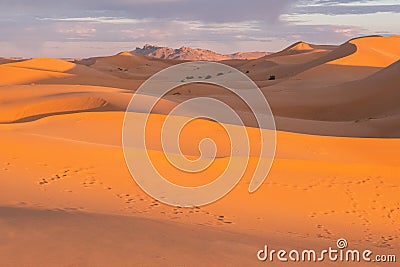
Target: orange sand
point(67, 198)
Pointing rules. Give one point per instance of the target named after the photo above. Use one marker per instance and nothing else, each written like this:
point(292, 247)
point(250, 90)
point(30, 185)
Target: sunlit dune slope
point(32, 102)
point(375, 51)
point(57, 71)
point(341, 184)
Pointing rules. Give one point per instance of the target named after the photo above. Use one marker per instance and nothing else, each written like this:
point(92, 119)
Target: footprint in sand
point(7, 166)
point(56, 177)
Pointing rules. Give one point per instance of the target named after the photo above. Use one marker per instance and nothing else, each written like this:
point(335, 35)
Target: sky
point(84, 28)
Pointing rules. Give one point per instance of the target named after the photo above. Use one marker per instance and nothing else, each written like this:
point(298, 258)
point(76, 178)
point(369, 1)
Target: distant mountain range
point(187, 53)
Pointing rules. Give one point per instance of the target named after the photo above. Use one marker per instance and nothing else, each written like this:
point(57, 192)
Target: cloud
point(28, 25)
point(344, 10)
point(204, 10)
point(56, 28)
point(344, 7)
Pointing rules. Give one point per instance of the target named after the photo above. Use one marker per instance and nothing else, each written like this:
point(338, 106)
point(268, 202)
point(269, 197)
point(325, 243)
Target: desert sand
point(68, 199)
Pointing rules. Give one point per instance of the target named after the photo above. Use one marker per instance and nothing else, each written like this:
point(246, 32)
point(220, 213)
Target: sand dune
point(368, 53)
point(365, 107)
point(45, 64)
point(91, 178)
point(67, 196)
point(32, 102)
point(26, 72)
point(305, 108)
point(372, 97)
point(293, 60)
point(375, 51)
point(9, 60)
point(128, 66)
point(57, 71)
point(165, 244)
